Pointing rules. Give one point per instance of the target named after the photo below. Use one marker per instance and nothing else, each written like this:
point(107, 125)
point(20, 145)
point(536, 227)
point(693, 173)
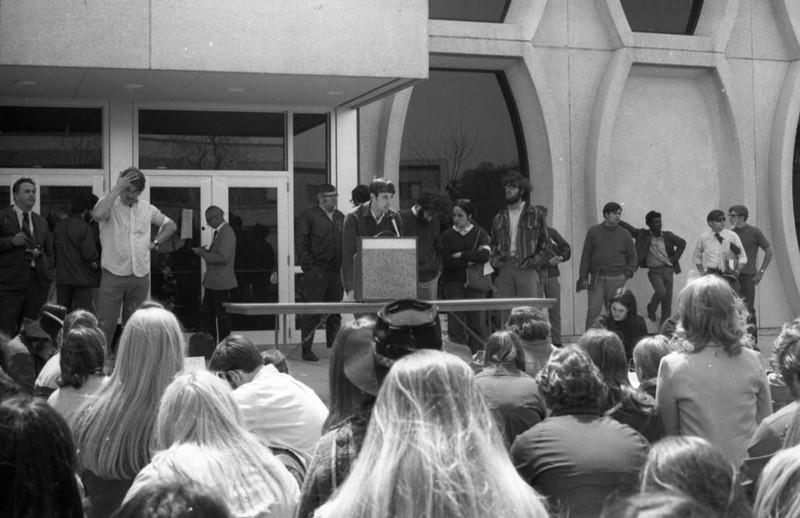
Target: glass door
point(176, 273)
point(258, 210)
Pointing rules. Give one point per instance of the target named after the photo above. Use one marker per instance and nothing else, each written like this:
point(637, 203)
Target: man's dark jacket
point(674, 245)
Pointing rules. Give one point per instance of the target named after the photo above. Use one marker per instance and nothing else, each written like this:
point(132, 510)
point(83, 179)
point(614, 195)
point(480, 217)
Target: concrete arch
point(780, 173)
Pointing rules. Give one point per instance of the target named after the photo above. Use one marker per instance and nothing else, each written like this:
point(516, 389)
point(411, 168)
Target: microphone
point(394, 224)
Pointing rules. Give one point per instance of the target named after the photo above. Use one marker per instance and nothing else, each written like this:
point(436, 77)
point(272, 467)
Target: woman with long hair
point(82, 361)
point(713, 387)
point(624, 320)
point(512, 396)
point(432, 450)
point(779, 488)
point(533, 328)
point(113, 431)
point(346, 426)
point(47, 381)
point(623, 402)
point(463, 244)
point(37, 462)
point(696, 467)
point(199, 437)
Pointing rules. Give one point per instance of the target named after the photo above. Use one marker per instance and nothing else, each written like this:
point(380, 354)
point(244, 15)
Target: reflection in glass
point(459, 138)
point(55, 201)
point(310, 158)
point(493, 11)
point(174, 269)
point(212, 140)
point(666, 17)
point(58, 138)
point(253, 215)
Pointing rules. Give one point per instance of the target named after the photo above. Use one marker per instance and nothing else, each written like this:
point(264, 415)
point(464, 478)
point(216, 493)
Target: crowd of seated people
point(411, 430)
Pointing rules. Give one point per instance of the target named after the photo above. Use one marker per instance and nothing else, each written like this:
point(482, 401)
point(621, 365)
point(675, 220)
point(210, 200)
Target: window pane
point(458, 138)
point(667, 17)
point(211, 140)
point(59, 138)
point(175, 269)
point(253, 215)
point(310, 158)
point(469, 10)
point(5, 196)
point(55, 202)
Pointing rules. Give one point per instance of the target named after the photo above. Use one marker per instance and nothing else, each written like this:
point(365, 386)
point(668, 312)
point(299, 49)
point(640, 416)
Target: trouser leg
point(552, 290)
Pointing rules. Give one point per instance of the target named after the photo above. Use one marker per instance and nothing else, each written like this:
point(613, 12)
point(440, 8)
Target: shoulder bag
point(476, 278)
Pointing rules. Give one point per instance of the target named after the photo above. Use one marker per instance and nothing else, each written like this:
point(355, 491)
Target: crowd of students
point(412, 430)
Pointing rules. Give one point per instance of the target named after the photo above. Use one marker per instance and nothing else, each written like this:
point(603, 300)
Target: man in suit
point(26, 259)
point(220, 278)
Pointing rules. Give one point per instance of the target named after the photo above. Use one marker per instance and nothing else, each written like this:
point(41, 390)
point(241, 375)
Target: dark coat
point(15, 268)
point(674, 245)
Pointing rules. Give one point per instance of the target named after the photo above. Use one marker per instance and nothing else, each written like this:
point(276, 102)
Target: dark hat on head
point(402, 327)
point(32, 329)
point(51, 319)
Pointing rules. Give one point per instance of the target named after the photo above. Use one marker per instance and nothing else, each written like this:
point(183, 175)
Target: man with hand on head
point(125, 227)
point(220, 278)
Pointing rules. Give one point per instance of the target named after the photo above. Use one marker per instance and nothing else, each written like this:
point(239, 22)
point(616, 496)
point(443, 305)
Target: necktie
point(215, 234)
point(26, 226)
point(718, 237)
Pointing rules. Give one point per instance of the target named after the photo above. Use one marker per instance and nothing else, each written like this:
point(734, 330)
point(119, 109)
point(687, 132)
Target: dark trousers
point(662, 279)
point(747, 285)
point(475, 320)
point(75, 297)
point(25, 302)
point(321, 285)
point(214, 320)
point(552, 290)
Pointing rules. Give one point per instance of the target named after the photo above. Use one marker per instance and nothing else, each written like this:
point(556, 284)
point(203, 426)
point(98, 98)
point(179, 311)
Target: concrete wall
point(326, 37)
point(680, 124)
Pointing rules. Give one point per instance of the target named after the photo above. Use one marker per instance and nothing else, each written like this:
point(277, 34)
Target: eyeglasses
point(732, 215)
point(720, 220)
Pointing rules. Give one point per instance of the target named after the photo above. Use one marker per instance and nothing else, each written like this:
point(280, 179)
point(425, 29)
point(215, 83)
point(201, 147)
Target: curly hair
point(786, 355)
point(529, 323)
point(570, 379)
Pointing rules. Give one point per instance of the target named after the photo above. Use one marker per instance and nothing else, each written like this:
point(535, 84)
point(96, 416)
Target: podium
point(385, 268)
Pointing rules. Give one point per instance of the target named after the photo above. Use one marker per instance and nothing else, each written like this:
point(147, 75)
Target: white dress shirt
point(125, 237)
point(710, 252)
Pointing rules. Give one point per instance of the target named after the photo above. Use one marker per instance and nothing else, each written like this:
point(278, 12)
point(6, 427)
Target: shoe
point(651, 313)
point(309, 356)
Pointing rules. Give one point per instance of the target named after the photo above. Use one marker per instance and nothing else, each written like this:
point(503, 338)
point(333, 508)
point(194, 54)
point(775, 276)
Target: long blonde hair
point(779, 486)
point(113, 431)
point(436, 448)
point(198, 413)
point(712, 313)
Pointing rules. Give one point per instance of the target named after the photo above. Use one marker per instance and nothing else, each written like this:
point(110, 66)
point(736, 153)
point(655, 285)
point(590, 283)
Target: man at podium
point(370, 219)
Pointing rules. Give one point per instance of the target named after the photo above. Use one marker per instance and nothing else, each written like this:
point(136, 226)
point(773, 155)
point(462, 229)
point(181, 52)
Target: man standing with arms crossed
point(421, 221)
point(752, 239)
point(607, 262)
point(560, 251)
point(319, 252)
point(220, 278)
point(125, 226)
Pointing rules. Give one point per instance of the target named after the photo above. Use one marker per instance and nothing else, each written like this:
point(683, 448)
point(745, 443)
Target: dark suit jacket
point(674, 244)
point(220, 260)
point(15, 270)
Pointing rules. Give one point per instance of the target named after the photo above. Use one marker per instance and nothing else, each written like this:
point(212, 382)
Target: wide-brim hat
point(402, 327)
point(33, 329)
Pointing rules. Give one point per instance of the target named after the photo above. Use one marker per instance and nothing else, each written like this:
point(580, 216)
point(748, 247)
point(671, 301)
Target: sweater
point(455, 269)
point(714, 395)
point(609, 249)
